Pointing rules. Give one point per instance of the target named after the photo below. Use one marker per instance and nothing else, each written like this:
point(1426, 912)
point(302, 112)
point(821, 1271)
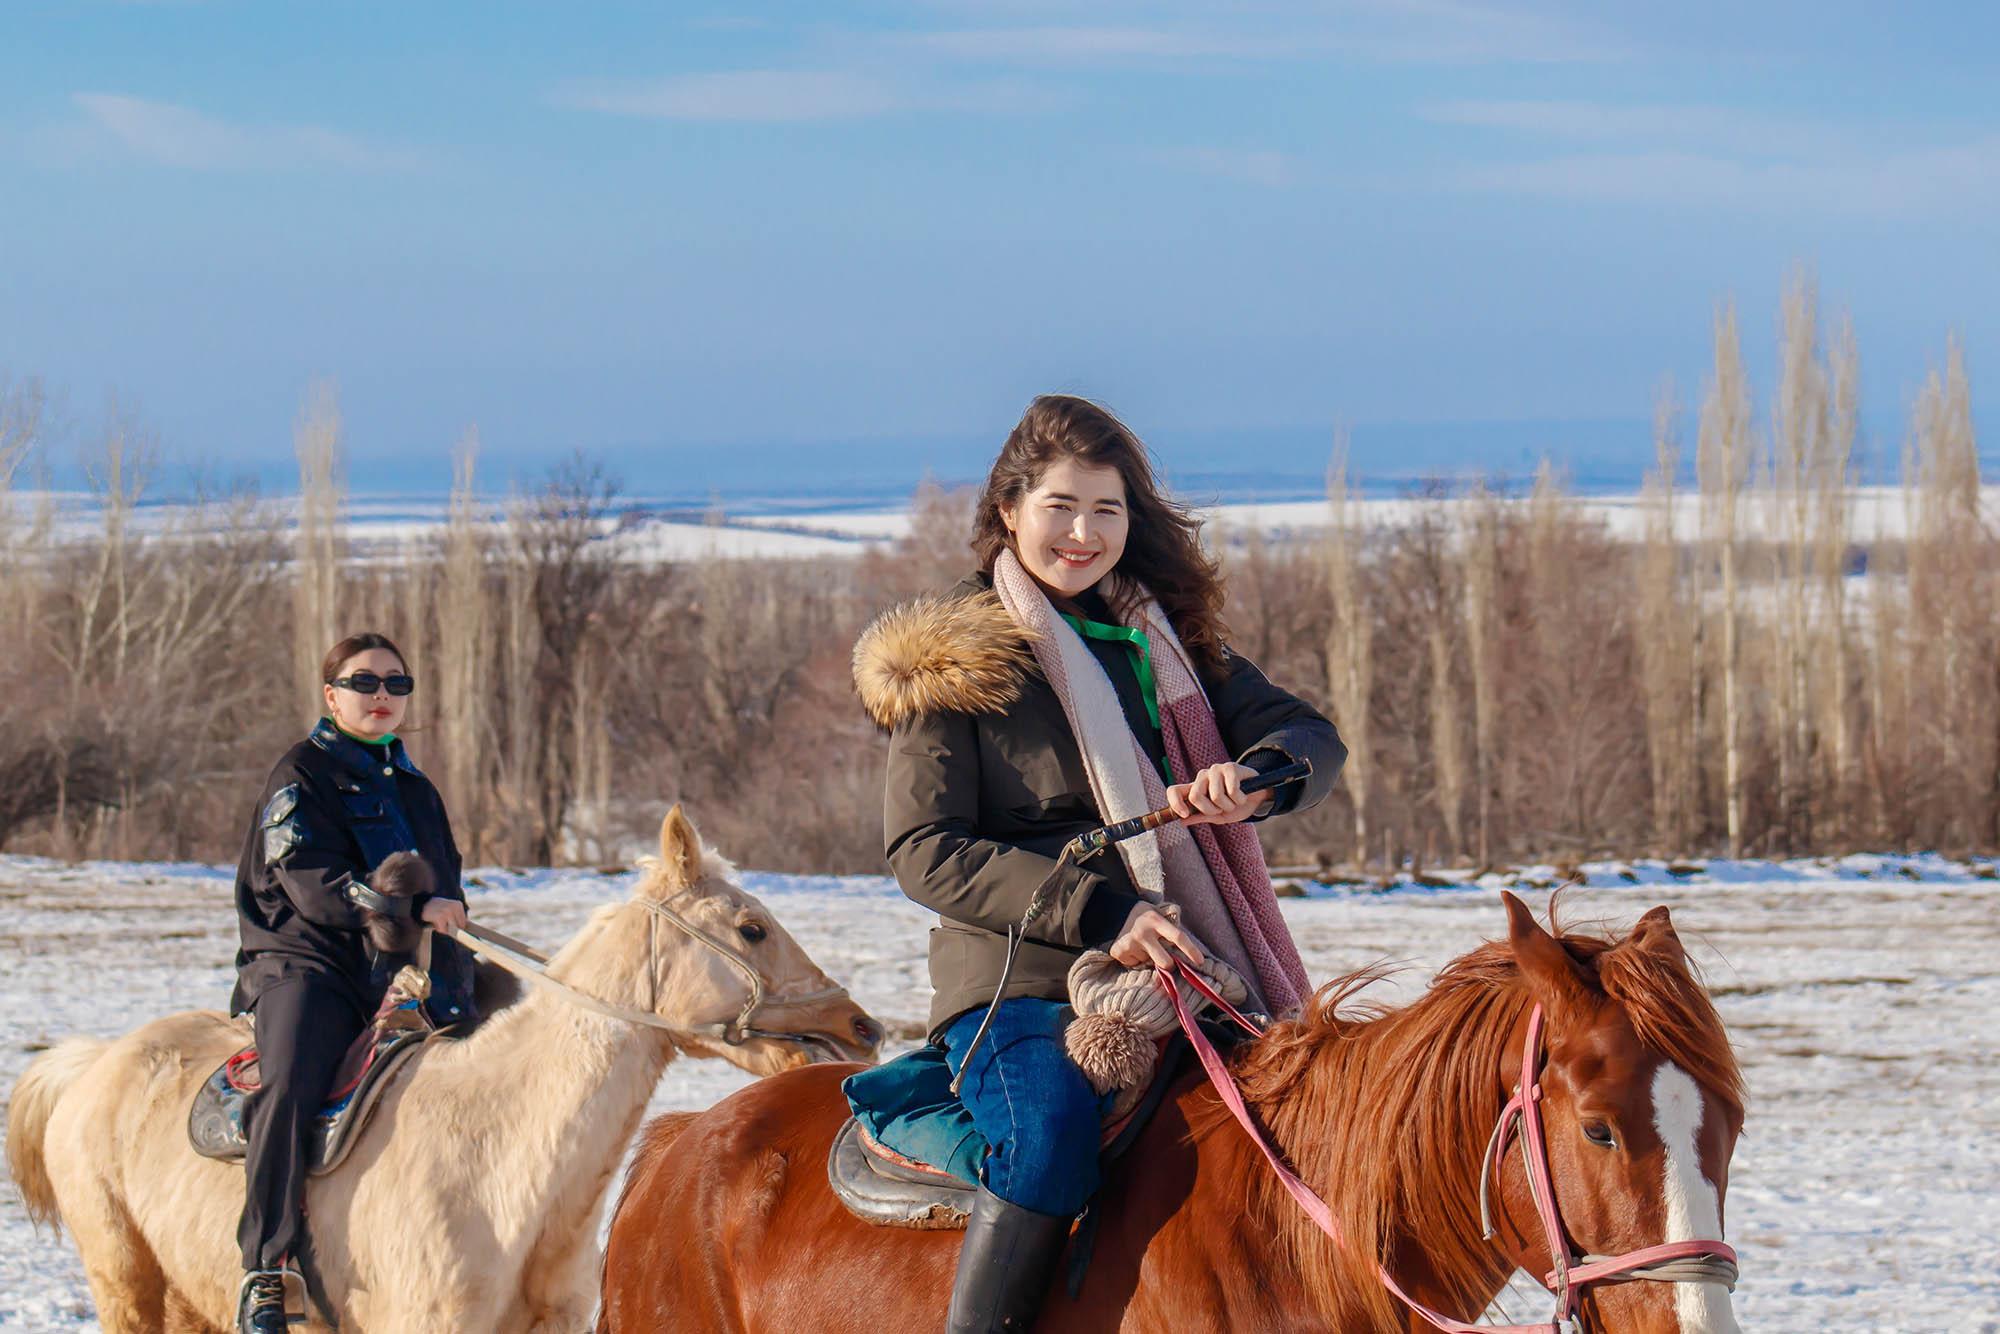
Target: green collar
point(1142, 655)
point(382, 740)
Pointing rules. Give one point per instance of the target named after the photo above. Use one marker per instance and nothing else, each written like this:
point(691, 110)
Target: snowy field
point(387, 526)
point(1865, 1194)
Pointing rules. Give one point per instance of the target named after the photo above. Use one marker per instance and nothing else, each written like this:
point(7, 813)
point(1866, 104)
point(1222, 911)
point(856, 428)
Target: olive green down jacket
point(985, 783)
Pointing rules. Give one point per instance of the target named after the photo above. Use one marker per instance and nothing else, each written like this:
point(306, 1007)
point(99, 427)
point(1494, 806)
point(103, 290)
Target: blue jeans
point(1038, 1114)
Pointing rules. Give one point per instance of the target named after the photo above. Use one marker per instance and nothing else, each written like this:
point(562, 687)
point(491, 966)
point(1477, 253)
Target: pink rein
point(1673, 1262)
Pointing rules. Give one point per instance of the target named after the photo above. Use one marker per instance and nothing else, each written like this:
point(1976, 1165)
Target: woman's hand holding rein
point(1216, 796)
point(446, 915)
point(1151, 936)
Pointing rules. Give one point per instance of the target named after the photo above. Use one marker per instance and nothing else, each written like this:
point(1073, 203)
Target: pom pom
point(1112, 1051)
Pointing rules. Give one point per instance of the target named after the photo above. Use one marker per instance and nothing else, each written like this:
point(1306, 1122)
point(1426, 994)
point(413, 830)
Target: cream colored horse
point(471, 1202)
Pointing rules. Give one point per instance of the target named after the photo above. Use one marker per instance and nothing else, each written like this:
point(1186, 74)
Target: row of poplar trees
point(1777, 662)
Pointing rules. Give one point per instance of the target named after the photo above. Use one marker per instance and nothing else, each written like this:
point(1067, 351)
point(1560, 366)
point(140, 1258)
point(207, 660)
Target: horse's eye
point(751, 931)
point(1598, 1133)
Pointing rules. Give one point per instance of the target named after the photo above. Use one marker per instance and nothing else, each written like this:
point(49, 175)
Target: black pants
point(304, 1027)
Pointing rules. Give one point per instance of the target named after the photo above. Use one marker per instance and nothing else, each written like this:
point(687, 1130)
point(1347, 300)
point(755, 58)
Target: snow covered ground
point(383, 526)
point(1865, 1193)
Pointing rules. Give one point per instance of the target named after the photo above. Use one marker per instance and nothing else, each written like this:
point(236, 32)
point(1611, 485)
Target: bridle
point(526, 962)
point(740, 1030)
point(1705, 1261)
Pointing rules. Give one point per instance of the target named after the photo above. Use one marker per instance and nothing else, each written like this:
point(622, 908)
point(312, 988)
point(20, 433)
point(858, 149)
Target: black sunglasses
point(367, 683)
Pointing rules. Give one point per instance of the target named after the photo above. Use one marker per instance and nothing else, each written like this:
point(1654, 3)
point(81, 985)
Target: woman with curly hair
point(1081, 676)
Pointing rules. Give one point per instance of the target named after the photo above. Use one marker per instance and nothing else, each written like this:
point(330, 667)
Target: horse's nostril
point(866, 1031)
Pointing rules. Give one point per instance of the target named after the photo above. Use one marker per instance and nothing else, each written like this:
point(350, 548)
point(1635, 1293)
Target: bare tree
point(560, 565)
point(1723, 463)
point(1441, 600)
point(1349, 644)
point(317, 597)
point(1951, 623)
point(1482, 579)
point(22, 406)
point(465, 626)
point(1665, 636)
point(1833, 524)
point(517, 804)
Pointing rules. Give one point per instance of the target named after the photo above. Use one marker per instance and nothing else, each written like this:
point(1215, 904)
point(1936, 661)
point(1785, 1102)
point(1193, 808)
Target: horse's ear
point(1552, 975)
point(680, 852)
point(1654, 934)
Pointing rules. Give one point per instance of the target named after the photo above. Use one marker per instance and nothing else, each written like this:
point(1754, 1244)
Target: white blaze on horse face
point(1693, 1211)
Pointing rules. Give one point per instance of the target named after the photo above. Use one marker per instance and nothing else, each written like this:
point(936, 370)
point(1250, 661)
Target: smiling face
point(374, 716)
point(1069, 529)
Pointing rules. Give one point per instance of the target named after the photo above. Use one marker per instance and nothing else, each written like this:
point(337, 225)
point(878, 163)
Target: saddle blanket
point(215, 1121)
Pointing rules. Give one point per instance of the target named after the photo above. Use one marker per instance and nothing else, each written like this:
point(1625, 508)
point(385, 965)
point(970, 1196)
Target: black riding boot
point(260, 1303)
point(1004, 1267)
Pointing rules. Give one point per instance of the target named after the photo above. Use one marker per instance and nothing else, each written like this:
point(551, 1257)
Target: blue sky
point(717, 242)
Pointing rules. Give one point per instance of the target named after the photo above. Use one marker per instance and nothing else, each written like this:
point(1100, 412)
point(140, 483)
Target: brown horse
point(727, 1222)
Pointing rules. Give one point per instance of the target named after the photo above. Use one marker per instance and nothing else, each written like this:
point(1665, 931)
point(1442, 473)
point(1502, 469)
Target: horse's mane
point(1384, 1111)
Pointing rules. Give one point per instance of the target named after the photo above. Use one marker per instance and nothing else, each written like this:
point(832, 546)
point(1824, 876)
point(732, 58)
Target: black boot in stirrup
point(1004, 1267)
point(260, 1303)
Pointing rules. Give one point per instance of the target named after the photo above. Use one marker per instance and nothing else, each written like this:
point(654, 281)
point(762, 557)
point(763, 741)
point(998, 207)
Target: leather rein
point(530, 964)
point(1707, 1261)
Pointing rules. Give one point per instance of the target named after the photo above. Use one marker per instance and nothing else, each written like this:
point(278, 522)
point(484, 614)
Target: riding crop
point(1080, 849)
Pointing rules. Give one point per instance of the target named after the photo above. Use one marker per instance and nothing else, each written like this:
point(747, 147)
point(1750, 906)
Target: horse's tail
point(28, 1112)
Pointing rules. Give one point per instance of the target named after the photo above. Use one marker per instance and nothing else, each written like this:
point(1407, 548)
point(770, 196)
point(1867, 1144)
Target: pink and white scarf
point(1215, 873)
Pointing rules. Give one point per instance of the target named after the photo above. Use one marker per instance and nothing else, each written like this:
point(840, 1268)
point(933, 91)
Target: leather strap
point(387, 905)
point(525, 962)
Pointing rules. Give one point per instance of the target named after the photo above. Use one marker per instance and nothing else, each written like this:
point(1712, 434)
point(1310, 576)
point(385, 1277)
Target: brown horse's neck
point(1387, 1118)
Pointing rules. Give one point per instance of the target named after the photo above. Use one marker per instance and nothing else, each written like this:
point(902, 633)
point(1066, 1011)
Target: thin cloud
point(1257, 166)
point(1090, 46)
point(1719, 158)
point(1451, 32)
point(746, 95)
point(800, 96)
point(1928, 181)
point(1606, 122)
point(1424, 32)
point(177, 136)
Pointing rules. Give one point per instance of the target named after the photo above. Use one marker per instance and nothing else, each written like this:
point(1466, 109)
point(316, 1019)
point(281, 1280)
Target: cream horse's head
point(724, 974)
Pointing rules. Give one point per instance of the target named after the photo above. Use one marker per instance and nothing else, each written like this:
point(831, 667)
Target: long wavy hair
point(1163, 551)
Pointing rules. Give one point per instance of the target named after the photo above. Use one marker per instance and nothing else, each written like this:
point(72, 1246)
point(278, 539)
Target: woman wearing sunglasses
point(336, 806)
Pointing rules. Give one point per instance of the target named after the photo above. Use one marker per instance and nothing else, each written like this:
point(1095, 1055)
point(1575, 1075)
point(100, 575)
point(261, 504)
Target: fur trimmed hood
point(960, 652)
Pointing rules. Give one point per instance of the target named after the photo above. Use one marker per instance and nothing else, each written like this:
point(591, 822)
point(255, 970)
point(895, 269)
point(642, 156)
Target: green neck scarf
point(1142, 663)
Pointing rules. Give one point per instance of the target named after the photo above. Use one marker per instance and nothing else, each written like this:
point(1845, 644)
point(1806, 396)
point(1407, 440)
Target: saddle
point(215, 1120)
point(883, 1187)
